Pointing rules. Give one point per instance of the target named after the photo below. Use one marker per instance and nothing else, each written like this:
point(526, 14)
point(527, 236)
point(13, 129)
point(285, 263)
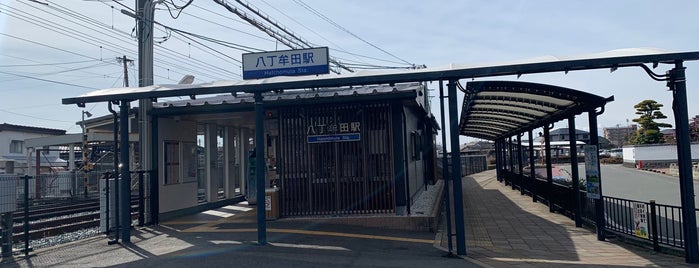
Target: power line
point(319, 14)
point(35, 117)
point(180, 8)
point(290, 34)
point(47, 80)
point(46, 64)
point(94, 22)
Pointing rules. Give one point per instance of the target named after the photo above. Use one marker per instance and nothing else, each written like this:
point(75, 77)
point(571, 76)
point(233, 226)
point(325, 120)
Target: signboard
point(640, 220)
point(286, 63)
point(268, 203)
point(592, 171)
point(333, 132)
point(333, 138)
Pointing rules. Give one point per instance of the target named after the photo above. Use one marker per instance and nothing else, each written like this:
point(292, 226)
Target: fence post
point(654, 226)
point(26, 216)
point(6, 223)
point(141, 199)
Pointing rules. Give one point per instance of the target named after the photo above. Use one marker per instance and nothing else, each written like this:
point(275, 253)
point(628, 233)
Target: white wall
point(182, 195)
point(6, 137)
point(655, 152)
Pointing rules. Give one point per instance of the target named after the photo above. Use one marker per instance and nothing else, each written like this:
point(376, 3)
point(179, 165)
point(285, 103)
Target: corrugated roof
point(28, 129)
point(498, 109)
point(297, 94)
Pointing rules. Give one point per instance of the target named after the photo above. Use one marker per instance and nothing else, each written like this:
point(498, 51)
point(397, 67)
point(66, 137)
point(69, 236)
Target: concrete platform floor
point(506, 229)
point(503, 229)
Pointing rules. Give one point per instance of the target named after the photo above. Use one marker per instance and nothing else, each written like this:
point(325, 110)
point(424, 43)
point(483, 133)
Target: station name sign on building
point(341, 132)
point(286, 63)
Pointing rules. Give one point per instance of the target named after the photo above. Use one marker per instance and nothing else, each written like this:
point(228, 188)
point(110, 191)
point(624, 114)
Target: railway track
point(59, 220)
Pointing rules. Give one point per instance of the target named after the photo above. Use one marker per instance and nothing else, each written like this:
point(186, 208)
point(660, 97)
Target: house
point(14, 156)
point(561, 134)
point(669, 135)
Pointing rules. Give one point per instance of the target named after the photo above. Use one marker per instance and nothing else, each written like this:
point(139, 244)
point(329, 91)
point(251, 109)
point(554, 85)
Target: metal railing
point(32, 206)
point(470, 164)
point(664, 222)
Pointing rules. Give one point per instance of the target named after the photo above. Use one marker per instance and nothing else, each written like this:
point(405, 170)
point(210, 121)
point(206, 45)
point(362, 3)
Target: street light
point(84, 149)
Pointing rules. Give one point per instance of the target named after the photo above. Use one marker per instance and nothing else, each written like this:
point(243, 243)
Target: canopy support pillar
point(532, 170)
point(549, 172)
point(577, 208)
point(260, 168)
point(677, 83)
point(520, 164)
point(125, 187)
point(445, 169)
point(456, 170)
point(599, 202)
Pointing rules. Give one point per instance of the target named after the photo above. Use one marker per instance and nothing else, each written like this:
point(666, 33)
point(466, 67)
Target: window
point(189, 162)
point(416, 140)
point(16, 147)
point(172, 162)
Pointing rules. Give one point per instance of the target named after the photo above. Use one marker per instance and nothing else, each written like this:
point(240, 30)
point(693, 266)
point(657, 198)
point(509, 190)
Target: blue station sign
point(286, 63)
point(333, 138)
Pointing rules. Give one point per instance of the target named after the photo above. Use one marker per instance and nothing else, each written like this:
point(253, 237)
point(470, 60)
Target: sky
point(53, 49)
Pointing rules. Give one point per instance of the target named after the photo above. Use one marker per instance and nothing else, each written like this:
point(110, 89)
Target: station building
point(330, 151)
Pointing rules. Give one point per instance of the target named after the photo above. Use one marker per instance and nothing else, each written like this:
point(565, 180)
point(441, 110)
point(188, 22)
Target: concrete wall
point(181, 195)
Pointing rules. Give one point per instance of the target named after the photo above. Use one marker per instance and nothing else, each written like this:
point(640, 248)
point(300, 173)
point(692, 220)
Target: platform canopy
point(499, 109)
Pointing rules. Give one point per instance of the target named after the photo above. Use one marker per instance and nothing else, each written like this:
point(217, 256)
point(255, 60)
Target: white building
point(13, 151)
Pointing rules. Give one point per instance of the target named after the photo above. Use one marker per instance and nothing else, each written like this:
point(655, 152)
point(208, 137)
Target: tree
point(649, 129)
point(604, 143)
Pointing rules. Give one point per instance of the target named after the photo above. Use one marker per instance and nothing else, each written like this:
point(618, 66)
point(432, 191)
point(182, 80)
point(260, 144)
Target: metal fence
point(33, 208)
point(470, 164)
point(664, 222)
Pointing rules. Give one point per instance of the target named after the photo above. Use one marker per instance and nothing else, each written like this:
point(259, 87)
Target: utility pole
point(125, 61)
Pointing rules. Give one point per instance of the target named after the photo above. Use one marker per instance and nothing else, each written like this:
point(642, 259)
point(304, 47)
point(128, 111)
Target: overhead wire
point(288, 37)
point(335, 46)
point(319, 14)
point(180, 8)
point(234, 20)
point(202, 64)
point(35, 117)
point(129, 42)
point(48, 80)
point(45, 64)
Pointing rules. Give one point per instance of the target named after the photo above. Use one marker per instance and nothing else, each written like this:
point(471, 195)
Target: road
point(629, 183)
